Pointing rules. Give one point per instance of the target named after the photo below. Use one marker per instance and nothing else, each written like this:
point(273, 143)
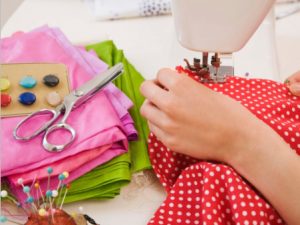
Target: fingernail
point(287, 82)
point(295, 88)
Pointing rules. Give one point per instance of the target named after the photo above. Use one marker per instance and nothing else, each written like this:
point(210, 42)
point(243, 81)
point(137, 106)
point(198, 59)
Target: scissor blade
point(94, 85)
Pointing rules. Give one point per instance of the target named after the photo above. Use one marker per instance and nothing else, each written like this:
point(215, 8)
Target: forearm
point(274, 169)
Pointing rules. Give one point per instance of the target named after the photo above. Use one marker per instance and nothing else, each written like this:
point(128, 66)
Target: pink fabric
point(41, 172)
point(103, 126)
point(106, 156)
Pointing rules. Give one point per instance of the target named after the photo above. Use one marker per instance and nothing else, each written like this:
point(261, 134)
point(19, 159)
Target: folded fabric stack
point(102, 132)
point(114, 174)
point(117, 9)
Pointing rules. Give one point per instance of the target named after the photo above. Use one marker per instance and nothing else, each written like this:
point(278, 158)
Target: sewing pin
point(60, 185)
point(37, 186)
point(20, 182)
point(60, 192)
point(49, 195)
point(62, 202)
point(4, 194)
point(49, 171)
point(54, 194)
point(61, 177)
point(30, 199)
point(39, 190)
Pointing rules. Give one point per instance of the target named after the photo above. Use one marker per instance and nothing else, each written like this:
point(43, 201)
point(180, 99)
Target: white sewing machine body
point(218, 26)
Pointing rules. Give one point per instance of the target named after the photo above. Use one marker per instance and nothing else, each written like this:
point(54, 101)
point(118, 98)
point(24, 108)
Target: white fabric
point(116, 9)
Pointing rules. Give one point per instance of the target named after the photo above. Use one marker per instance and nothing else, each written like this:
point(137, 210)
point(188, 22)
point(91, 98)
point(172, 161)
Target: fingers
point(152, 113)
point(157, 131)
point(176, 83)
point(295, 78)
point(154, 93)
point(293, 83)
point(168, 78)
point(295, 88)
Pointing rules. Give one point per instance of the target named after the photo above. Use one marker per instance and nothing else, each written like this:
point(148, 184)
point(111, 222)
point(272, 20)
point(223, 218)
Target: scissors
point(70, 102)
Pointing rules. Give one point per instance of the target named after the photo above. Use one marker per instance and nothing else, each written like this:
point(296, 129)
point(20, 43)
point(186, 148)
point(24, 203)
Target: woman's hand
point(192, 119)
point(293, 83)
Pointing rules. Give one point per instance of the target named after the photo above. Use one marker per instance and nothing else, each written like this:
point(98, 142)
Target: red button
point(5, 99)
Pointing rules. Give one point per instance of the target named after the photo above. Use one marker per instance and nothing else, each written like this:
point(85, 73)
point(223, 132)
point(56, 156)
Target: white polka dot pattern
point(209, 193)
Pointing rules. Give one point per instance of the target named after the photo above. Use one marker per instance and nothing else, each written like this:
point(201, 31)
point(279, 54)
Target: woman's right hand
point(293, 83)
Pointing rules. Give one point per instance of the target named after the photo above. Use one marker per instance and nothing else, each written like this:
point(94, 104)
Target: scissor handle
point(57, 148)
point(54, 113)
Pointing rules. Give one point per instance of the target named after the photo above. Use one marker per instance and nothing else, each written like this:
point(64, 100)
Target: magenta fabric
point(108, 125)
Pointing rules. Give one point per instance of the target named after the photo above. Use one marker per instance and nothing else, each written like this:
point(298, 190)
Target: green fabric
point(129, 83)
point(105, 181)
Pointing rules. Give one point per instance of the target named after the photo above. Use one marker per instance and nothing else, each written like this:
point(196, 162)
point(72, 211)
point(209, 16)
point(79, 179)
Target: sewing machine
point(220, 27)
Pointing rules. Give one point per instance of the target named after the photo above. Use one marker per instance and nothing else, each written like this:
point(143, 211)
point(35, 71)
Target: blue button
point(28, 82)
point(27, 98)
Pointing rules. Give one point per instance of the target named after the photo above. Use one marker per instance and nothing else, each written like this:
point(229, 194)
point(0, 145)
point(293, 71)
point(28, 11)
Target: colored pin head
point(3, 194)
point(26, 189)
point(49, 193)
point(43, 212)
point(54, 193)
point(36, 185)
point(20, 181)
point(49, 170)
point(66, 174)
point(30, 199)
point(61, 177)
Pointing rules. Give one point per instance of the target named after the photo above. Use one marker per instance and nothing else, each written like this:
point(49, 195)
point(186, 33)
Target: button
point(51, 80)
point(27, 98)
point(28, 82)
point(53, 98)
point(5, 99)
point(4, 84)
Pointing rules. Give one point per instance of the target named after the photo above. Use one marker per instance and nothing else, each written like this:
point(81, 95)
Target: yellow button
point(4, 84)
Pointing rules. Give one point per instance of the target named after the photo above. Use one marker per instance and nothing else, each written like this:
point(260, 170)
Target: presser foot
point(213, 73)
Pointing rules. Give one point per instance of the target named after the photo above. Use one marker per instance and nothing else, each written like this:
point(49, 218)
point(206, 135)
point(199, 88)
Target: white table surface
point(150, 44)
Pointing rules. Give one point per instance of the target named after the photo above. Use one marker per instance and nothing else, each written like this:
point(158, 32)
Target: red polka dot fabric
point(201, 192)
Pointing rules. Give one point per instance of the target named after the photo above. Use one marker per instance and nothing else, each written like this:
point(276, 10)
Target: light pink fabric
point(60, 166)
point(99, 122)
